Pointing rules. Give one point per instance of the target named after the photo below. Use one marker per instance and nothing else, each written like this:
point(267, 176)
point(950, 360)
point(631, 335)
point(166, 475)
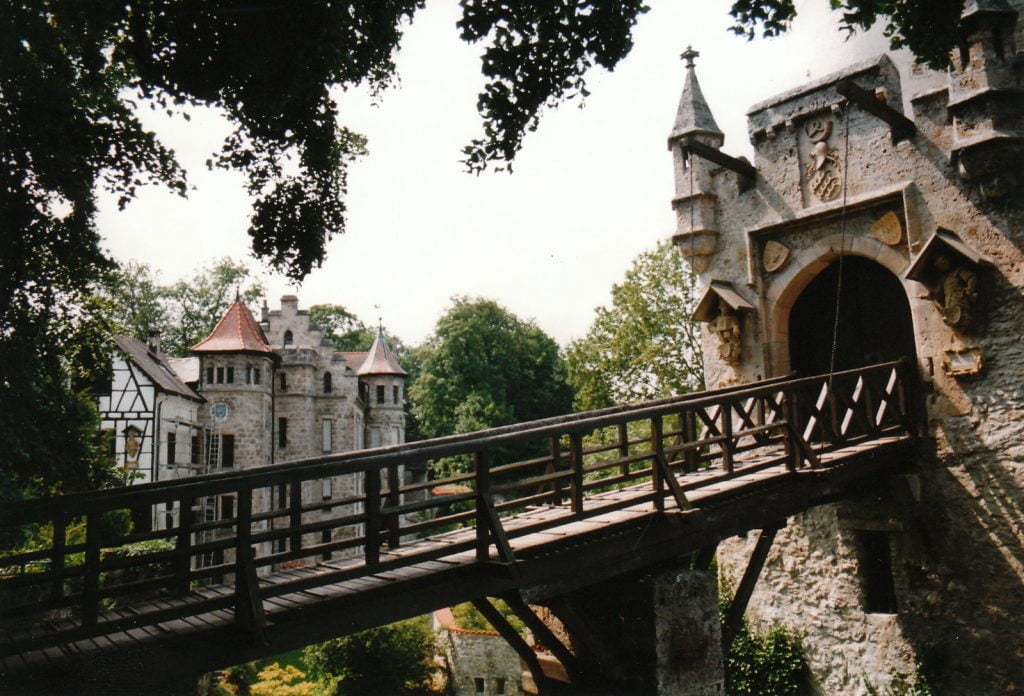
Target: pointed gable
point(236, 332)
point(380, 360)
point(693, 114)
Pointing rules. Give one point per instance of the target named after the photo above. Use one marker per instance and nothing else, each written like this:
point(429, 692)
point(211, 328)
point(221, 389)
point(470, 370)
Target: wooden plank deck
point(536, 536)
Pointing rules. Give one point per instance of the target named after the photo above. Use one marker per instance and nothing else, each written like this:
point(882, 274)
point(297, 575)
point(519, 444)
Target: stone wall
point(954, 527)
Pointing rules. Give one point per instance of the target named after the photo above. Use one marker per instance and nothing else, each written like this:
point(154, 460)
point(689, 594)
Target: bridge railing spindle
point(482, 474)
point(727, 443)
point(91, 570)
point(658, 456)
point(371, 488)
point(394, 500)
point(576, 459)
point(295, 513)
point(57, 554)
point(183, 546)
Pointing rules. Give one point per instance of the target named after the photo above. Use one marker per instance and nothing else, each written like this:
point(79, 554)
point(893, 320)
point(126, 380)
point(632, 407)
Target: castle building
point(250, 395)
point(861, 233)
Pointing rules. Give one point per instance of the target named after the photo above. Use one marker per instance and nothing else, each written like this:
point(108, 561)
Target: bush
point(393, 659)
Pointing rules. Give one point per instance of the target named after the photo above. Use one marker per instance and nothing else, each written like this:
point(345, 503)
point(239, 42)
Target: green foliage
point(764, 662)
point(468, 618)
point(345, 329)
point(485, 367)
point(275, 680)
point(644, 345)
point(393, 659)
point(194, 306)
point(137, 302)
point(929, 28)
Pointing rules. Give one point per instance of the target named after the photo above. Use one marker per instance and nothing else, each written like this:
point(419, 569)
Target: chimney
point(153, 341)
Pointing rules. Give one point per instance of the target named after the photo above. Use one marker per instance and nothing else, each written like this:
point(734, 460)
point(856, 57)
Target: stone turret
point(695, 201)
point(236, 367)
point(986, 103)
point(385, 380)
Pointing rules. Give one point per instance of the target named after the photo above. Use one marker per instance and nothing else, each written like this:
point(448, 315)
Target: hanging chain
point(842, 245)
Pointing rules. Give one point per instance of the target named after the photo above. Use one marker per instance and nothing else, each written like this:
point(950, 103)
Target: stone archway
point(875, 323)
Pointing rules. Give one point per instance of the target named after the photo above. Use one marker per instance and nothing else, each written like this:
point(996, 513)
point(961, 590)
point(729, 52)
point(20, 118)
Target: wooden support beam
point(747, 172)
point(543, 633)
point(702, 559)
point(248, 604)
point(599, 653)
point(734, 617)
point(512, 637)
point(901, 127)
point(661, 464)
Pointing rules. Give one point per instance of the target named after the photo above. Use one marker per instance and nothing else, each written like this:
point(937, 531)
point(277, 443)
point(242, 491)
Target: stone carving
point(726, 327)
point(957, 293)
point(775, 256)
point(962, 363)
point(822, 174)
point(887, 229)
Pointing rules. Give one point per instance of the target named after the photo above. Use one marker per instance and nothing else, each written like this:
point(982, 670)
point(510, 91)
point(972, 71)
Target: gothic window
point(499, 686)
point(220, 375)
point(231, 375)
point(227, 507)
point(288, 340)
point(194, 454)
point(396, 394)
point(380, 393)
point(282, 432)
point(255, 375)
point(479, 684)
point(209, 375)
point(248, 374)
point(327, 383)
point(172, 441)
point(282, 381)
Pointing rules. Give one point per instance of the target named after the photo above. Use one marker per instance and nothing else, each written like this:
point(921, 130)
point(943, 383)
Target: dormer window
point(327, 383)
point(288, 340)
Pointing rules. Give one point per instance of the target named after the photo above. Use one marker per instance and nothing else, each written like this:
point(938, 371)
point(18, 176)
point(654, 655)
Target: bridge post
point(576, 458)
point(482, 474)
point(371, 489)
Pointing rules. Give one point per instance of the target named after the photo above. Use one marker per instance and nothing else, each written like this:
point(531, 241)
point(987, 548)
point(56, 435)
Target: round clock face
point(220, 411)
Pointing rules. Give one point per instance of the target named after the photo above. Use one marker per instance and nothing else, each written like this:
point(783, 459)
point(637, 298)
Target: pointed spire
point(237, 331)
point(380, 360)
point(693, 115)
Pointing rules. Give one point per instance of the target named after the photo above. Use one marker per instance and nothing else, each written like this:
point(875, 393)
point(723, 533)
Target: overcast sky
point(590, 190)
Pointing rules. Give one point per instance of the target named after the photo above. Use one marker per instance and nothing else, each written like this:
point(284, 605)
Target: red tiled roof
point(380, 361)
point(237, 331)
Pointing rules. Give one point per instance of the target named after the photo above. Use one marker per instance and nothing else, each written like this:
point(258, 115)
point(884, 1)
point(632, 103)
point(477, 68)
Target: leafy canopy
point(393, 659)
point(644, 345)
point(483, 367)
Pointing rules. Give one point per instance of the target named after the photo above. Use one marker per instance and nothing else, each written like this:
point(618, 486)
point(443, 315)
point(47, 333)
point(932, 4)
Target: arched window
point(327, 383)
point(288, 340)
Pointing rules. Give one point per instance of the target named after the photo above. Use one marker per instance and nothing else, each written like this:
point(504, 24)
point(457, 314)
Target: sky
point(590, 190)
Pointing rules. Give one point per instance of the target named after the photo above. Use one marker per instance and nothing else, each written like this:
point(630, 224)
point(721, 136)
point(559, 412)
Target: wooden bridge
point(548, 507)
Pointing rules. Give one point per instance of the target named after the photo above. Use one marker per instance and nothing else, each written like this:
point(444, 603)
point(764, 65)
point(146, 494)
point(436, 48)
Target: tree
point(346, 331)
point(485, 367)
point(392, 659)
point(195, 306)
point(644, 345)
point(137, 303)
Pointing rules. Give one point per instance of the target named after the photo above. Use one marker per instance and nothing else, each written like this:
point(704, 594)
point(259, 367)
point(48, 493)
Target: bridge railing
point(359, 510)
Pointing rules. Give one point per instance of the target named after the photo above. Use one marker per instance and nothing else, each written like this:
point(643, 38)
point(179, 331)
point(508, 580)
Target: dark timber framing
point(738, 607)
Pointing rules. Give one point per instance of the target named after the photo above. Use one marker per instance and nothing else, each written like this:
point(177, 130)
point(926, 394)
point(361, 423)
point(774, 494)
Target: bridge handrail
point(360, 460)
point(797, 419)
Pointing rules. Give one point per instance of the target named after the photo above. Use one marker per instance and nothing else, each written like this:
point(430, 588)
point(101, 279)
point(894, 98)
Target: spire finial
point(689, 55)
point(380, 320)
point(238, 294)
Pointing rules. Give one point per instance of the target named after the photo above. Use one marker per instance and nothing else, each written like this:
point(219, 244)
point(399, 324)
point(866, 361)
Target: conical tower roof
point(380, 360)
point(236, 332)
point(693, 115)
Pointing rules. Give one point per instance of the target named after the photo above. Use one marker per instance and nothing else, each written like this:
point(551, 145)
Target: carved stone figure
point(131, 447)
point(822, 174)
point(957, 293)
point(726, 327)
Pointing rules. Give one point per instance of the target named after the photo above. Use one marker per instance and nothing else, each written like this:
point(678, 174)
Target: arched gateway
point(874, 320)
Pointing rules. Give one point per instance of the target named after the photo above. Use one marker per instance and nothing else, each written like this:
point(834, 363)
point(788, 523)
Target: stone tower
point(236, 369)
point(695, 201)
point(868, 233)
point(385, 395)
